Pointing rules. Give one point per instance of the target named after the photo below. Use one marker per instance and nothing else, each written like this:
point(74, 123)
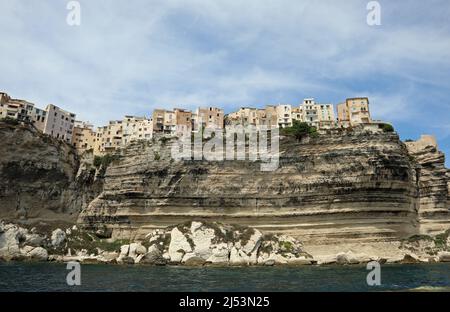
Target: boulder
point(140, 249)
point(237, 257)
point(58, 237)
point(269, 262)
point(35, 240)
point(127, 260)
point(202, 238)
point(178, 246)
point(108, 257)
point(124, 250)
point(253, 243)
point(39, 254)
point(193, 260)
point(195, 226)
point(154, 256)
point(278, 259)
point(138, 258)
point(409, 259)
point(444, 256)
point(9, 242)
point(219, 254)
point(351, 258)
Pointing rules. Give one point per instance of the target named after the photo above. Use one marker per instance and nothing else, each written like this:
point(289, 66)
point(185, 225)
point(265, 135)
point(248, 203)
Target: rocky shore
point(198, 244)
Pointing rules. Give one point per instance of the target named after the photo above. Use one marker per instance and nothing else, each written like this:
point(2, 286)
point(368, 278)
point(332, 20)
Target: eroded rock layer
point(350, 186)
point(40, 177)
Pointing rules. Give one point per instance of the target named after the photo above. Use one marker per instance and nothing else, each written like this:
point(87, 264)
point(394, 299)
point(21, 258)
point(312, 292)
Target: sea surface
point(37, 277)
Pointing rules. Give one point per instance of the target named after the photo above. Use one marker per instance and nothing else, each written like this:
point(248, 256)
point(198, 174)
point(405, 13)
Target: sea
point(43, 277)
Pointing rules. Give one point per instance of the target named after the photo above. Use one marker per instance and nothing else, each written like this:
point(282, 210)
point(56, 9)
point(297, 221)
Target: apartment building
point(84, 137)
point(254, 116)
point(284, 115)
point(59, 123)
point(109, 138)
point(158, 120)
point(354, 111)
point(244, 116)
point(15, 109)
point(38, 118)
point(170, 125)
point(210, 117)
point(183, 121)
point(136, 128)
point(267, 117)
point(315, 114)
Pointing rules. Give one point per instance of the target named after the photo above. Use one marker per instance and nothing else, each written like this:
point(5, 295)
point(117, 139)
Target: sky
point(130, 57)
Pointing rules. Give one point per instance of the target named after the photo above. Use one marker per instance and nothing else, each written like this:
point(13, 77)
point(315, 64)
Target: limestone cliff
point(40, 177)
point(341, 186)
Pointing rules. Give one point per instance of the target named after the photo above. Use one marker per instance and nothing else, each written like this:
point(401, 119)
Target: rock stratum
point(345, 192)
point(42, 178)
point(350, 186)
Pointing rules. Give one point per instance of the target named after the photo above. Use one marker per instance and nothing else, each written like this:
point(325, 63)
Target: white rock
point(124, 250)
point(202, 242)
point(139, 258)
point(278, 259)
point(351, 258)
point(237, 257)
point(195, 226)
point(26, 250)
point(141, 250)
point(38, 253)
point(132, 250)
point(253, 243)
point(9, 241)
point(58, 237)
point(179, 245)
point(35, 240)
point(444, 256)
point(219, 254)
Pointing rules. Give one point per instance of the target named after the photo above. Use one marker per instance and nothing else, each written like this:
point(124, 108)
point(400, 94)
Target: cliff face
point(433, 184)
point(337, 187)
point(39, 178)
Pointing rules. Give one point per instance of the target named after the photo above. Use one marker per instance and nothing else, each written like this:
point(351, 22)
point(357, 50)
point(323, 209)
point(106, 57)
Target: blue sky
point(129, 57)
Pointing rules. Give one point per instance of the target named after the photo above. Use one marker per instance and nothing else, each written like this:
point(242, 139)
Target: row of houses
point(352, 112)
point(119, 133)
point(52, 120)
point(62, 124)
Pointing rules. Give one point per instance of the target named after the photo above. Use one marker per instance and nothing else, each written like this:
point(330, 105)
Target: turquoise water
point(52, 277)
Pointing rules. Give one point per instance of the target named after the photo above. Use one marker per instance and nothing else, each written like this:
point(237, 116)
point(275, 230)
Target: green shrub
point(10, 121)
point(300, 130)
point(164, 140)
point(104, 161)
point(387, 128)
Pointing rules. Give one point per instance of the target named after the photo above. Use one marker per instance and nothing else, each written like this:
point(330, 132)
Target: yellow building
point(354, 111)
point(109, 138)
point(84, 138)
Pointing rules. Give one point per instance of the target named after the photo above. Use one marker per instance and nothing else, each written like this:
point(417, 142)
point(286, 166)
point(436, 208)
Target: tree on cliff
point(299, 130)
